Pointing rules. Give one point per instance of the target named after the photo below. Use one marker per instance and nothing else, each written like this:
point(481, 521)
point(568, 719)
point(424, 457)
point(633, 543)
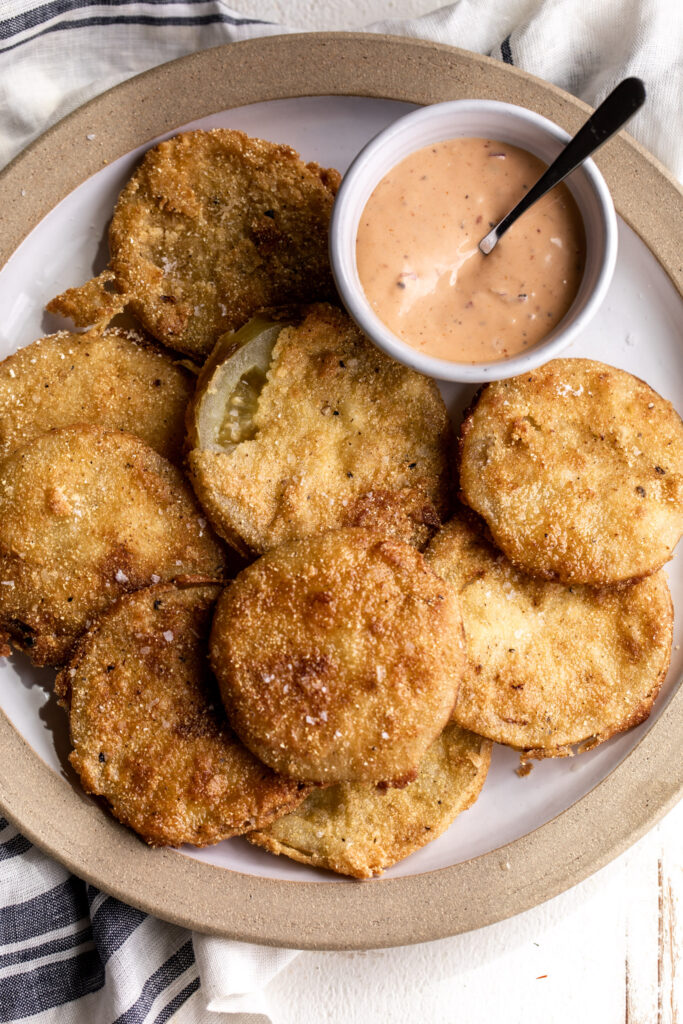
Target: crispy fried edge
point(436, 510)
point(344, 867)
point(638, 716)
point(44, 656)
point(62, 688)
point(478, 522)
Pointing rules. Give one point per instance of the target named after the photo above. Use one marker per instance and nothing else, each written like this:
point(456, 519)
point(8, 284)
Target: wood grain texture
point(590, 956)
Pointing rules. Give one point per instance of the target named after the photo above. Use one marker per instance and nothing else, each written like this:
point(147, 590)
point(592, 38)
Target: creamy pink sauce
point(423, 274)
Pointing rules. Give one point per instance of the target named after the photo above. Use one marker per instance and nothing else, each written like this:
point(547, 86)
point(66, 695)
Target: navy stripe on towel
point(157, 982)
point(177, 1001)
point(65, 904)
point(208, 19)
point(505, 51)
point(35, 952)
point(13, 847)
point(112, 923)
point(53, 984)
point(39, 15)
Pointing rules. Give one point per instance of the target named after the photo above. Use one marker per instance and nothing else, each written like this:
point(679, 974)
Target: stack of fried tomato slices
point(234, 527)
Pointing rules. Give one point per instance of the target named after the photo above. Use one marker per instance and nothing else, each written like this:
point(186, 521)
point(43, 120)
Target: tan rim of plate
point(334, 915)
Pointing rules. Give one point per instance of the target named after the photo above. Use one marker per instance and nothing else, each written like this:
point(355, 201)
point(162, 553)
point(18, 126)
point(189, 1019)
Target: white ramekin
point(502, 122)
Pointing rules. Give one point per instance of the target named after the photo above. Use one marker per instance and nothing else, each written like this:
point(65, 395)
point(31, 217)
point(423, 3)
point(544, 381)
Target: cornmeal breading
point(551, 666)
point(87, 515)
point(357, 829)
point(339, 657)
point(211, 227)
point(110, 378)
point(577, 468)
point(148, 728)
point(343, 436)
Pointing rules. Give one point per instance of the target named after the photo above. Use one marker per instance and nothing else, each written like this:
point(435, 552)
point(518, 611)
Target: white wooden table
point(609, 951)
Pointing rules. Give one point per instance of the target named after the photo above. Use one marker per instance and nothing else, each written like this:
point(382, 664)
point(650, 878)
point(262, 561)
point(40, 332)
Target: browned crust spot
point(150, 735)
point(87, 515)
point(339, 657)
point(212, 226)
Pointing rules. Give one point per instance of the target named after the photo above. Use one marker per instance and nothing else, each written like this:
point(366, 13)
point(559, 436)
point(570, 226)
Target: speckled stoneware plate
point(526, 839)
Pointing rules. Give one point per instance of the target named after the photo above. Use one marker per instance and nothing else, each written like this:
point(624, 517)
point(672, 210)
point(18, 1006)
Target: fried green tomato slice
point(357, 829)
point(212, 226)
point(339, 657)
point(551, 667)
point(148, 729)
point(320, 431)
point(113, 379)
point(577, 468)
point(87, 515)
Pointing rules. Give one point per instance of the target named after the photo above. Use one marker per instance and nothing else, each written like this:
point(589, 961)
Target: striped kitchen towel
point(55, 56)
point(71, 954)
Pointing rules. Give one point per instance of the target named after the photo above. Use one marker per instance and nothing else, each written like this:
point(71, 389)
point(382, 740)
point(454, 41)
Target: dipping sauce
point(423, 274)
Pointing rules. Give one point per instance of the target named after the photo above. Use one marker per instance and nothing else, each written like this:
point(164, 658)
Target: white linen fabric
point(72, 955)
point(55, 56)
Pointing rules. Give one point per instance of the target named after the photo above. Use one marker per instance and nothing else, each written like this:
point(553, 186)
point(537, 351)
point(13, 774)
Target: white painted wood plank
point(606, 952)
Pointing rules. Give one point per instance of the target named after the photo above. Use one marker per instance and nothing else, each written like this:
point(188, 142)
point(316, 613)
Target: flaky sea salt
point(120, 576)
point(567, 389)
point(167, 635)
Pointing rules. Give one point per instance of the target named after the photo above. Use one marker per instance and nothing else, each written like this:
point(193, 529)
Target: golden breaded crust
point(110, 378)
point(87, 515)
point(212, 226)
point(345, 436)
point(357, 829)
point(577, 468)
point(148, 729)
point(338, 657)
point(551, 666)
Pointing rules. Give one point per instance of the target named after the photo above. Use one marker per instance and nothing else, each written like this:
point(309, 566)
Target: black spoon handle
point(611, 115)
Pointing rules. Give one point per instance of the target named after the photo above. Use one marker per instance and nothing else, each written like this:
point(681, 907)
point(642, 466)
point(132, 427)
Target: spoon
point(610, 116)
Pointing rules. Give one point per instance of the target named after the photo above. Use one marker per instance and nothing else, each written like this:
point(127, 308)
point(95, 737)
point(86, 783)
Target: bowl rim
point(350, 289)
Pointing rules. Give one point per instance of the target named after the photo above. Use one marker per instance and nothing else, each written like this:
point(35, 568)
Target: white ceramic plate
point(638, 329)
